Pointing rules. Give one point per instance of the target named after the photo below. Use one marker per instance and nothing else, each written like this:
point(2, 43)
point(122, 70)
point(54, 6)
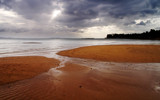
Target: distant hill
point(151, 35)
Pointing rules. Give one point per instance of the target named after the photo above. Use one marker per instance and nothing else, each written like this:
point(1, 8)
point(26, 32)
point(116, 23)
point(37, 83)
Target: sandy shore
point(19, 68)
point(113, 81)
point(117, 53)
point(83, 83)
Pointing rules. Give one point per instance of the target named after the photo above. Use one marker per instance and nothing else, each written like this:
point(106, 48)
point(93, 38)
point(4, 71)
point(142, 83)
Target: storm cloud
point(75, 18)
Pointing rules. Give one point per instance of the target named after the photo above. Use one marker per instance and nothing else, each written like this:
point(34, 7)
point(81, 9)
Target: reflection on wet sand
point(77, 82)
point(86, 79)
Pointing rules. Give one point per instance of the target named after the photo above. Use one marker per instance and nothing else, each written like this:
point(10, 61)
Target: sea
point(149, 72)
point(49, 47)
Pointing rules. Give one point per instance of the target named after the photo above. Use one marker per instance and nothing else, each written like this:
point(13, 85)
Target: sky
point(76, 18)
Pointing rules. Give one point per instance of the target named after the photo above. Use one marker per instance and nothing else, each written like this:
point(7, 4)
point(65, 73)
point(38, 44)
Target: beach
point(79, 49)
point(19, 68)
point(127, 72)
point(117, 53)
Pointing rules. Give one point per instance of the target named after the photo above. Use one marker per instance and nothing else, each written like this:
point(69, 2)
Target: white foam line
point(157, 88)
point(62, 64)
point(54, 71)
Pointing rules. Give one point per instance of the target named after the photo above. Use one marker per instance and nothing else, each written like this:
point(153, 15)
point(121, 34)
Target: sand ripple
point(38, 88)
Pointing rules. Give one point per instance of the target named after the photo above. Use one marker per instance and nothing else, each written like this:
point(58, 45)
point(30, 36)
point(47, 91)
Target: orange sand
point(19, 68)
point(84, 84)
point(117, 53)
point(93, 84)
point(78, 82)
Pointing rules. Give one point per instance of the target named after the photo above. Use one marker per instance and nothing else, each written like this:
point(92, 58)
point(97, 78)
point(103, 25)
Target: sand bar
point(117, 53)
point(80, 82)
point(19, 68)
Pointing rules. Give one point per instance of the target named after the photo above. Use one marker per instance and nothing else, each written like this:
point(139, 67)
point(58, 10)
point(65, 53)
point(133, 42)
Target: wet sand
point(85, 83)
point(112, 81)
point(117, 53)
point(19, 68)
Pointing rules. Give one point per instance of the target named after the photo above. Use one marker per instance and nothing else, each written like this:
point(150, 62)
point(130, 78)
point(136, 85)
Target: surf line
point(55, 71)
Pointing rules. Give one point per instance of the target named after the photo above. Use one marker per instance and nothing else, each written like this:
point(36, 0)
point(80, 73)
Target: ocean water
point(49, 48)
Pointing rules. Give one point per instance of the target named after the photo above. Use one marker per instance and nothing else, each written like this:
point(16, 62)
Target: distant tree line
point(151, 35)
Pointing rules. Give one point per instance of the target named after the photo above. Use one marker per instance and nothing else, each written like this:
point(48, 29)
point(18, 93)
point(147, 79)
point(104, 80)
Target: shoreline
point(76, 81)
point(23, 67)
point(117, 53)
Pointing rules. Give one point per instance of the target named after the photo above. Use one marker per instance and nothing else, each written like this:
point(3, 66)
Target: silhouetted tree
point(152, 35)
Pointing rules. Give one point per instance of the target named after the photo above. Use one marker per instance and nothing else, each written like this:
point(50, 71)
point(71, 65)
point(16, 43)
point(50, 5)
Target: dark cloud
point(154, 3)
point(79, 14)
point(143, 23)
point(5, 3)
point(2, 30)
point(14, 30)
point(81, 11)
point(30, 9)
point(130, 23)
point(127, 8)
point(76, 13)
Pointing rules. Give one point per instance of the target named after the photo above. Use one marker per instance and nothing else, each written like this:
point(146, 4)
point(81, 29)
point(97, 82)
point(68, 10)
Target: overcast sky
point(77, 18)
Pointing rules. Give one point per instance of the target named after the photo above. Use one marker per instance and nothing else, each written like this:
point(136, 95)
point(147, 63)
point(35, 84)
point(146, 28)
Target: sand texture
point(83, 83)
point(117, 53)
point(76, 81)
point(19, 68)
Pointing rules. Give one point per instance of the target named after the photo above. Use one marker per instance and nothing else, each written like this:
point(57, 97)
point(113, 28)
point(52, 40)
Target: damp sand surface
point(91, 81)
point(19, 68)
point(79, 82)
point(117, 53)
